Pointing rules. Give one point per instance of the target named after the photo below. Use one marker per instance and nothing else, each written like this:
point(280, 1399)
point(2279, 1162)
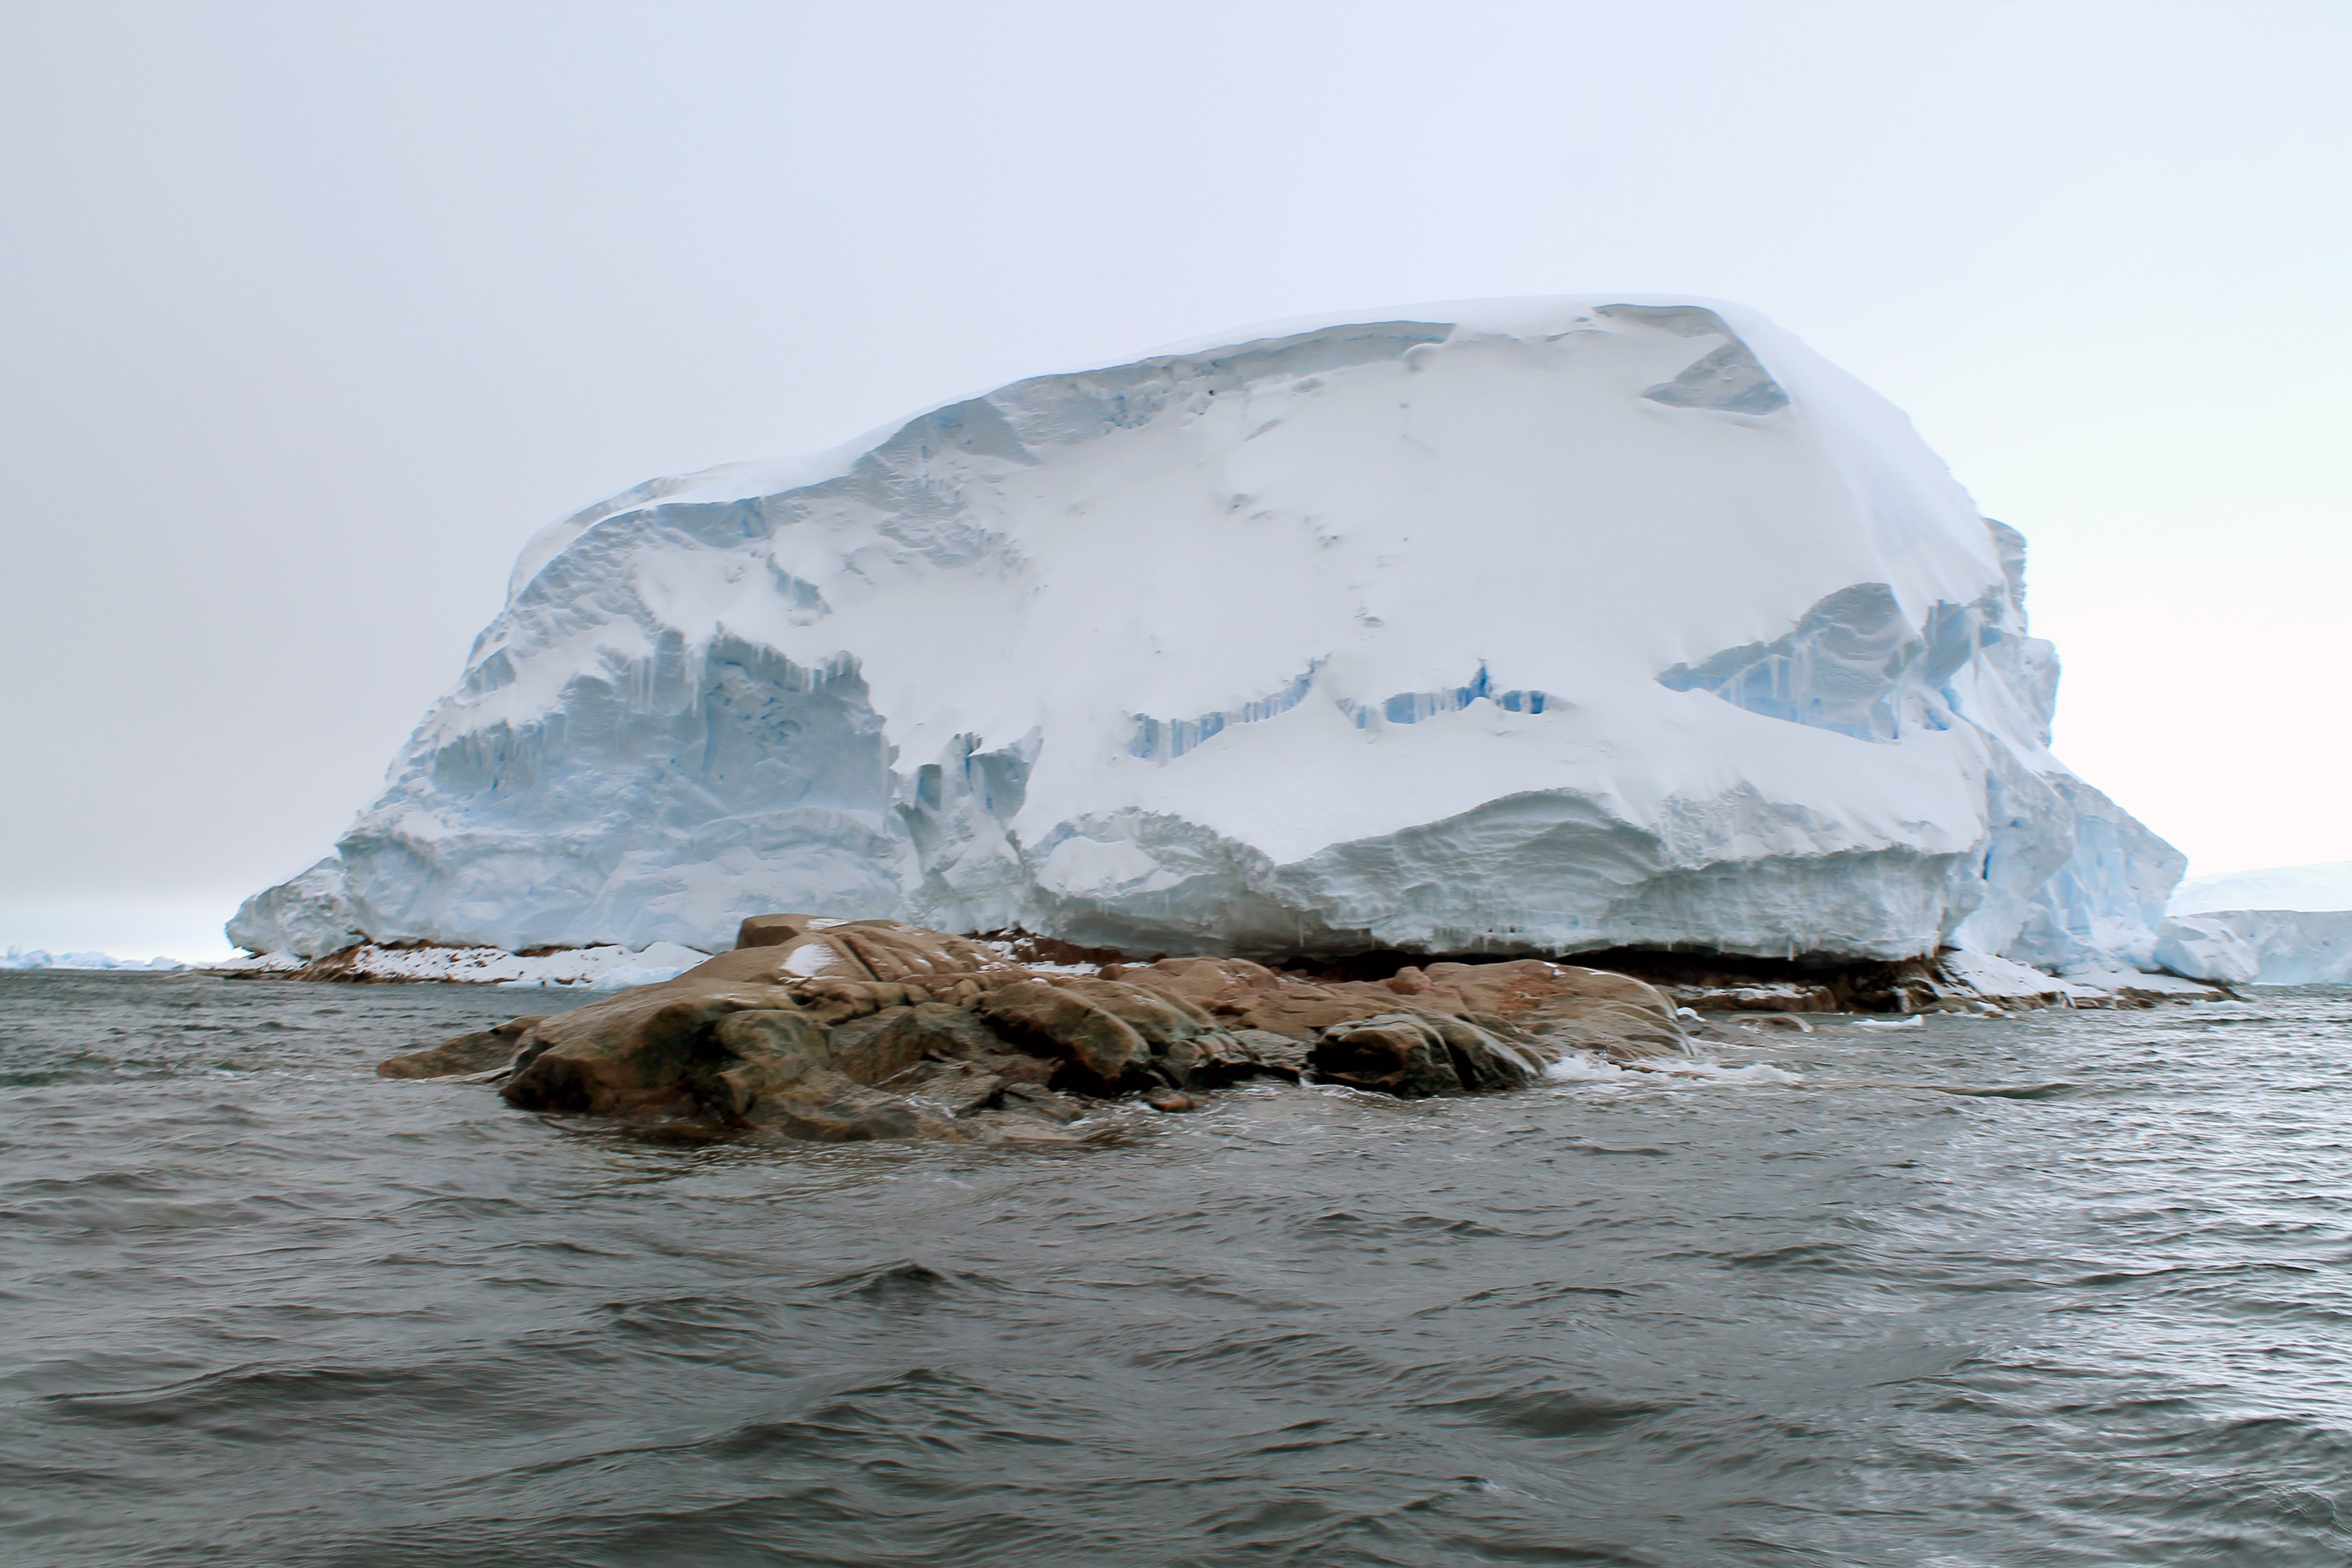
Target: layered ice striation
point(1522, 625)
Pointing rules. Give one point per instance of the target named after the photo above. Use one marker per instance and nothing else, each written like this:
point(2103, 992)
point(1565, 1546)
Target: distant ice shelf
point(1535, 625)
point(2288, 925)
point(2323, 889)
point(38, 958)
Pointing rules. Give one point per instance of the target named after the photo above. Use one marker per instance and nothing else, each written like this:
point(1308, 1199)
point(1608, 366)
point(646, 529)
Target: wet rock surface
point(483, 1050)
point(839, 1031)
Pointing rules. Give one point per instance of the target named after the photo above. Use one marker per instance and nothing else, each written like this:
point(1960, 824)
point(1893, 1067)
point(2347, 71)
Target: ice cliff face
point(1528, 626)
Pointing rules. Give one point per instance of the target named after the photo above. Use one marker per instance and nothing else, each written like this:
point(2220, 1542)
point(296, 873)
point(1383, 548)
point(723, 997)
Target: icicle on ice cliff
point(1538, 625)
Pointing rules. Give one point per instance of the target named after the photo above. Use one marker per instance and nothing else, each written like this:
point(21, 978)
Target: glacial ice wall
point(1520, 626)
point(2259, 947)
point(2284, 925)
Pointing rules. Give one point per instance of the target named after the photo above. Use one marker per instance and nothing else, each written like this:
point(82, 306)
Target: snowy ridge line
point(1752, 675)
point(2322, 888)
point(40, 958)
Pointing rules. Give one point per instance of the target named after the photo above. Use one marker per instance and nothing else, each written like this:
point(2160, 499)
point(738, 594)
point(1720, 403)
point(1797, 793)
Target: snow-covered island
point(1537, 627)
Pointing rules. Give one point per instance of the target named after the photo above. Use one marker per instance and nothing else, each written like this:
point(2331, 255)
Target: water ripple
point(2067, 1290)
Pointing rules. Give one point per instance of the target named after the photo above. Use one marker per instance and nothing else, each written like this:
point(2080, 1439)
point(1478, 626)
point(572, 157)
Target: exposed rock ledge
point(838, 1031)
point(852, 1029)
point(1952, 981)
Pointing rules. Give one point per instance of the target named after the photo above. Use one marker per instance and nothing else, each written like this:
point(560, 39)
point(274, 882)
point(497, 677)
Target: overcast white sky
point(313, 311)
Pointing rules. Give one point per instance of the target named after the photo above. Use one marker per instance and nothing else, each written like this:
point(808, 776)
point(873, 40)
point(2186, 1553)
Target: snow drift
point(1523, 625)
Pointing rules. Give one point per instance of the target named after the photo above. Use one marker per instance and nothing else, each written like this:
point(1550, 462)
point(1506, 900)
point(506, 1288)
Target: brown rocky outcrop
point(1569, 1007)
point(653, 1051)
point(1415, 1055)
point(840, 1030)
point(484, 1050)
point(1758, 997)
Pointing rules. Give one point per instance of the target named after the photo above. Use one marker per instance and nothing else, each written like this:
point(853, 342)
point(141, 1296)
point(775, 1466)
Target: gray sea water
point(258, 1306)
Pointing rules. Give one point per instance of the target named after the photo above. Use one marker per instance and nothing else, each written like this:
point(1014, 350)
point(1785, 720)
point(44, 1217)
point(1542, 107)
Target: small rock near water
point(484, 1050)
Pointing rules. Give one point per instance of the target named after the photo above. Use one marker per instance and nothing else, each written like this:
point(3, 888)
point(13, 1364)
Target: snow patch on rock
point(600, 968)
point(2131, 988)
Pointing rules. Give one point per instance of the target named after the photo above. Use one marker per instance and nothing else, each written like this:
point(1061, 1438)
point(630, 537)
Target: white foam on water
point(1580, 1068)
